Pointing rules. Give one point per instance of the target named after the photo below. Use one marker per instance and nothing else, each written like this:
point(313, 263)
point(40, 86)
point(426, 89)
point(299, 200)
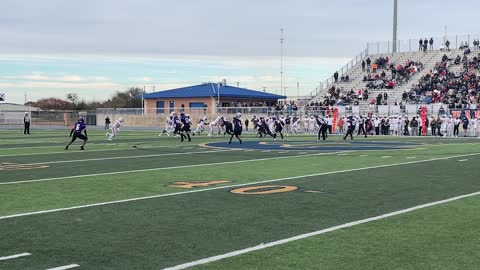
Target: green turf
point(441, 237)
point(166, 231)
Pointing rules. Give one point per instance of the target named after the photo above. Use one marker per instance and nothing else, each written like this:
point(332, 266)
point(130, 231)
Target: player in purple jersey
point(76, 132)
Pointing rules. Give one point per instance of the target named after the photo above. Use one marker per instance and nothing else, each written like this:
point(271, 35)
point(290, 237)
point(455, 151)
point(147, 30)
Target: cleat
point(82, 148)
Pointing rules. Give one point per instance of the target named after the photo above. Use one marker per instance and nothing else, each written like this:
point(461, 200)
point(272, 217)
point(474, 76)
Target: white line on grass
point(410, 157)
point(65, 267)
point(231, 186)
point(386, 156)
point(160, 169)
point(14, 256)
point(127, 157)
point(315, 233)
point(364, 156)
point(462, 160)
point(70, 152)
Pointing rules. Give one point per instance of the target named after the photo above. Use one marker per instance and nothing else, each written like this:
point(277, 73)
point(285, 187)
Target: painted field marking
point(342, 154)
point(266, 151)
point(165, 168)
point(462, 160)
point(319, 232)
point(302, 153)
point(363, 155)
point(15, 256)
point(386, 156)
point(127, 157)
point(90, 144)
point(410, 157)
point(231, 186)
point(65, 267)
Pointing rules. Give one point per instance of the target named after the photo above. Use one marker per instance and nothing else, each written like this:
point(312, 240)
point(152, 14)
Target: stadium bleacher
point(355, 90)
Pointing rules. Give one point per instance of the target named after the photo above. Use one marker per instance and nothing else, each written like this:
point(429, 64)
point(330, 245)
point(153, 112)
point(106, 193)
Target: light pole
point(395, 10)
point(281, 58)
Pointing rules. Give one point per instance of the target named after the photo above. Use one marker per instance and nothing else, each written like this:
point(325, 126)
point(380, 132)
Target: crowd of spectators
point(441, 85)
point(398, 74)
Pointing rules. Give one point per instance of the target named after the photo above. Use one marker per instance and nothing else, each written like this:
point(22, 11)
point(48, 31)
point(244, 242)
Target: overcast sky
point(95, 47)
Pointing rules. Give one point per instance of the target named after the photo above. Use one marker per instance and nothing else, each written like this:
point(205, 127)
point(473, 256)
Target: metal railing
point(327, 83)
point(410, 45)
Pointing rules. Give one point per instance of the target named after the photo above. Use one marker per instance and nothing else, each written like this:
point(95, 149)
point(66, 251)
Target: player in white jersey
point(296, 125)
point(271, 123)
point(169, 127)
point(312, 123)
point(215, 124)
point(394, 126)
point(200, 126)
point(400, 125)
point(473, 130)
point(305, 123)
point(443, 127)
point(450, 123)
point(115, 129)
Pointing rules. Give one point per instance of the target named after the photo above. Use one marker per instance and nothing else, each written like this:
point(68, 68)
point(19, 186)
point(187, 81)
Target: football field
point(149, 202)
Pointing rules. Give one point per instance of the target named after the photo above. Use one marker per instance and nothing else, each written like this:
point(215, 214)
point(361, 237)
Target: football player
point(115, 129)
point(77, 133)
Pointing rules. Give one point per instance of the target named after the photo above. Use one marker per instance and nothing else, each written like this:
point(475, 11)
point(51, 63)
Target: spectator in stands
point(441, 111)
point(457, 60)
point(374, 67)
point(447, 44)
point(363, 66)
point(431, 43)
point(335, 76)
point(404, 95)
point(347, 78)
point(425, 45)
point(369, 62)
point(385, 96)
point(420, 45)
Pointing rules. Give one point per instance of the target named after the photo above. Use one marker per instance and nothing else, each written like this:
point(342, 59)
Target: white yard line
point(163, 168)
point(90, 144)
point(14, 256)
point(231, 186)
point(364, 156)
point(315, 233)
point(462, 160)
point(386, 156)
point(410, 158)
point(66, 152)
point(127, 157)
point(65, 267)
